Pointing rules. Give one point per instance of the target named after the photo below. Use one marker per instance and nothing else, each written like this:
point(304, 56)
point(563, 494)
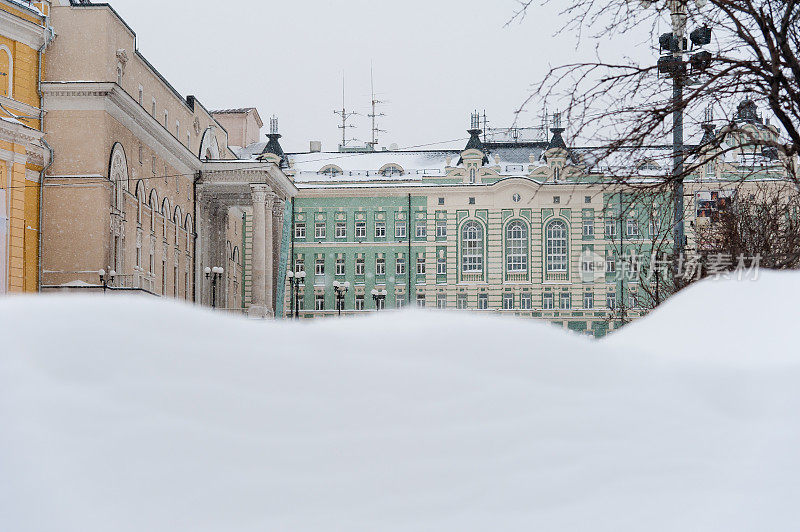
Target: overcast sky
point(434, 61)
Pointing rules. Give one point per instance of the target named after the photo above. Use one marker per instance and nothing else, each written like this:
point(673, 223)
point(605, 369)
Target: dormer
point(273, 151)
point(474, 156)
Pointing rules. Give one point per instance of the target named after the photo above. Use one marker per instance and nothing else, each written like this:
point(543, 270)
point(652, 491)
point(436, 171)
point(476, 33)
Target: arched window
point(6, 72)
point(390, 170)
point(153, 209)
point(331, 170)
point(472, 248)
point(556, 247)
point(117, 174)
point(517, 247)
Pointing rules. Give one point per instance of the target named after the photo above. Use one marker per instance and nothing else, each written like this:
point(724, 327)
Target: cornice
point(21, 30)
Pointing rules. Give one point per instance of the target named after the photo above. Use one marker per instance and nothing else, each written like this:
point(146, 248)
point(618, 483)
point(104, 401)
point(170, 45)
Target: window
point(380, 302)
point(319, 301)
point(556, 246)
point(400, 265)
point(380, 266)
point(611, 229)
point(565, 301)
point(400, 229)
point(166, 118)
point(441, 266)
point(360, 265)
point(441, 229)
point(421, 265)
point(587, 262)
point(391, 170)
point(441, 300)
point(472, 201)
point(441, 201)
point(472, 174)
point(611, 263)
point(587, 199)
point(508, 301)
point(319, 266)
point(472, 248)
point(301, 302)
point(421, 229)
point(359, 301)
point(588, 227)
point(611, 300)
point(633, 300)
point(339, 265)
point(483, 301)
point(319, 230)
point(153, 165)
point(177, 129)
point(361, 229)
point(526, 301)
point(331, 171)
point(299, 265)
point(300, 230)
point(588, 300)
point(141, 154)
point(380, 229)
point(517, 247)
point(153, 113)
point(633, 227)
point(556, 199)
point(547, 301)
point(421, 300)
point(341, 229)
point(141, 94)
point(461, 301)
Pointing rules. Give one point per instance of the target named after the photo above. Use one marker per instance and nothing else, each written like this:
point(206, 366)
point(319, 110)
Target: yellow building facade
point(24, 35)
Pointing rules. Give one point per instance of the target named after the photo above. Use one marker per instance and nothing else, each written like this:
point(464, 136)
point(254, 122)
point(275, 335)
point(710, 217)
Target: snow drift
point(133, 415)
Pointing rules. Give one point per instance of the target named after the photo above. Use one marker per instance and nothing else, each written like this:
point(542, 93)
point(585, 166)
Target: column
point(269, 253)
point(277, 237)
point(262, 241)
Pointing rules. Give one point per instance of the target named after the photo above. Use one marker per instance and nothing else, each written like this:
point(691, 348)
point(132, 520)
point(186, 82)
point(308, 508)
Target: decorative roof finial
point(273, 146)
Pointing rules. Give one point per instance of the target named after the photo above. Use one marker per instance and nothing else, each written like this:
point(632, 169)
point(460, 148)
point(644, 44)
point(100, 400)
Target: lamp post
point(107, 278)
point(214, 274)
point(673, 65)
point(295, 279)
point(340, 289)
point(379, 296)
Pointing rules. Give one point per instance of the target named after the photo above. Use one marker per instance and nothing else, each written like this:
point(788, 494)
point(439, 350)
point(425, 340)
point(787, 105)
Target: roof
point(241, 110)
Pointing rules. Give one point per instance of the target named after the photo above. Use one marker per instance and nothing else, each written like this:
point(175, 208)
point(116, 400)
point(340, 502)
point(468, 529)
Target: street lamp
point(379, 296)
point(673, 65)
point(107, 278)
point(340, 289)
point(296, 279)
point(215, 274)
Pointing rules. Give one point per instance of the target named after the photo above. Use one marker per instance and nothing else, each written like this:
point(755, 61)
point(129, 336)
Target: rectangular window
point(300, 230)
point(380, 229)
point(421, 229)
point(588, 228)
point(421, 265)
point(633, 228)
point(359, 301)
point(299, 265)
point(547, 301)
point(508, 301)
point(380, 303)
point(461, 301)
point(441, 266)
point(611, 229)
point(633, 300)
point(380, 266)
point(483, 301)
point(400, 268)
point(166, 118)
point(153, 164)
point(339, 265)
point(359, 265)
point(441, 300)
point(611, 300)
point(141, 154)
point(177, 129)
point(421, 300)
point(587, 262)
point(400, 229)
point(154, 108)
point(319, 230)
point(611, 264)
point(319, 266)
point(441, 229)
point(588, 300)
point(361, 229)
point(141, 94)
point(565, 301)
point(526, 301)
point(319, 301)
point(341, 229)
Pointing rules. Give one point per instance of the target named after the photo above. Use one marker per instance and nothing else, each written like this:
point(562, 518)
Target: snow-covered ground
point(137, 415)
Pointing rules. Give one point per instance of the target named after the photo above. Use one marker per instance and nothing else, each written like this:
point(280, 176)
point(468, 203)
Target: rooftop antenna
point(345, 116)
point(709, 115)
point(485, 126)
point(374, 114)
point(273, 125)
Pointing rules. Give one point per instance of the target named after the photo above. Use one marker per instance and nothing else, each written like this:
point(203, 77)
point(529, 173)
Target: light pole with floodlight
point(295, 279)
point(379, 296)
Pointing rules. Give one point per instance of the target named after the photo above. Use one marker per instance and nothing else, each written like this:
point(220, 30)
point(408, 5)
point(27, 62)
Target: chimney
point(315, 146)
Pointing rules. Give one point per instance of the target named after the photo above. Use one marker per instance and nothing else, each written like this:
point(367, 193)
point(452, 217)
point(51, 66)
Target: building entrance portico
point(256, 191)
